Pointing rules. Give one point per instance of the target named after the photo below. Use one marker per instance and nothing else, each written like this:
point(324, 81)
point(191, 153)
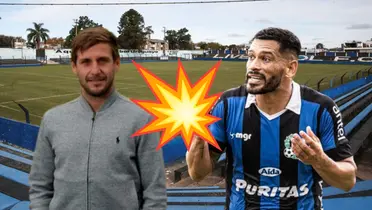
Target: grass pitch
point(41, 88)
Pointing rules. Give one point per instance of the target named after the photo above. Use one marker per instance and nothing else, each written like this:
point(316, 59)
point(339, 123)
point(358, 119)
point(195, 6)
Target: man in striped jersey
point(281, 139)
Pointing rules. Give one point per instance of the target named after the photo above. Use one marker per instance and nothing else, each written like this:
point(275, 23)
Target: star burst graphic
point(183, 110)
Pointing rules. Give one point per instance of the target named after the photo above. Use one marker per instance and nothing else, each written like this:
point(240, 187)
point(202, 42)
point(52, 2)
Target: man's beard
point(100, 93)
point(270, 84)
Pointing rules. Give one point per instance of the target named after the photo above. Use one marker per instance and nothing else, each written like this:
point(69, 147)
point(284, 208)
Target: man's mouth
point(96, 80)
point(255, 76)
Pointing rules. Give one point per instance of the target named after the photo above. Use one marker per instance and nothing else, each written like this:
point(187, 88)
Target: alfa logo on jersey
point(267, 191)
point(288, 152)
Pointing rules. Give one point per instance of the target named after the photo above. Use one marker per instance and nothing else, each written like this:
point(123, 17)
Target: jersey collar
point(294, 103)
point(108, 102)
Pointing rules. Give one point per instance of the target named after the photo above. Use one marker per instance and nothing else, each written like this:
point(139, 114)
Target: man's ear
point(117, 64)
point(73, 67)
point(291, 69)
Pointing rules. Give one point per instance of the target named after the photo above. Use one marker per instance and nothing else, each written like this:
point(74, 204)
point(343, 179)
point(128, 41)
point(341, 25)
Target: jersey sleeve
point(217, 129)
point(332, 133)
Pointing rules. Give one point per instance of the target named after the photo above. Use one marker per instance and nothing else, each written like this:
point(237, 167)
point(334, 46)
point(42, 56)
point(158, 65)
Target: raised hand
point(308, 148)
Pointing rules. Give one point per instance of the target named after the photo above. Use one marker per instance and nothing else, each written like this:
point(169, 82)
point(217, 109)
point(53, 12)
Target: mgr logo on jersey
point(244, 136)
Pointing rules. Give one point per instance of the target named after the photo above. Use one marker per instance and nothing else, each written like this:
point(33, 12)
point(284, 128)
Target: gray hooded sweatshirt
point(89, 161)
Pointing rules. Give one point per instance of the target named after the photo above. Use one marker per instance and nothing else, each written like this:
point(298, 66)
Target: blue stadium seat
point(344, 106)
point(14, 174)
point(355, 121)
point(6, 202)
point(359, 186)
point(348, 203)
point(330, 54)
point(350, 93)
point(23, 205)
point(186, 190)
point(192, 199)
point(15, 157)
point(195, 207)
point(16, 149)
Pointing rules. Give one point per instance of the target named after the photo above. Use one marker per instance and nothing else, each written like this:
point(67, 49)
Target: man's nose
point(253, 65)
point(95, 69)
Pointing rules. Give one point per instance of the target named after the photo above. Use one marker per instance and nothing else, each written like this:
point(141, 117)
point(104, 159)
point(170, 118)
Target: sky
point(331, 22)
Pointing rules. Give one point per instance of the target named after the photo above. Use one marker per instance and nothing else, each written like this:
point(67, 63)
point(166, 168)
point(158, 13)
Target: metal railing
point(336, 80)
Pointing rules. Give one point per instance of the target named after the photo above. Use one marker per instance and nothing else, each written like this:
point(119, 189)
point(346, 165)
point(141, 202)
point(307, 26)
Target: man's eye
point(103, 60)
point(266, 59)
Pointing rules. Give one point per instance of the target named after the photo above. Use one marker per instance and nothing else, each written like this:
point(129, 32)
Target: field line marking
point(10, 108)
point(38, 98)
point(63, 77)
point(15, 83)
point(62, 95)
point(7, 107)
point(32, 82)
point(41, 75)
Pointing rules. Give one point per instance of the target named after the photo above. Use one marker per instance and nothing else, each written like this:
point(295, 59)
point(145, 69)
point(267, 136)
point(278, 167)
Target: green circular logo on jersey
point(288, 153)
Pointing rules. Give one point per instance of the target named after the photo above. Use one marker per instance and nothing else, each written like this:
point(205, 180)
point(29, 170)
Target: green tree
point(233, 47)
point(215, 45)
point(80, 24)
point(37, 34)
point(184, 39)
point(180, 39)
point(172, 39)
point(202, 45)
point(8, 41)
point(133, 33)
point(319, 46)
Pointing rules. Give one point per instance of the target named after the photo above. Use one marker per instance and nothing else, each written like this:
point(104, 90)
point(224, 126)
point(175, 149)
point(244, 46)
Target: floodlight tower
point(76, 24)
point(164, 30)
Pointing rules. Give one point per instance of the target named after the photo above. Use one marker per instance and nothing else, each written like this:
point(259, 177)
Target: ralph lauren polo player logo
point(117, 140)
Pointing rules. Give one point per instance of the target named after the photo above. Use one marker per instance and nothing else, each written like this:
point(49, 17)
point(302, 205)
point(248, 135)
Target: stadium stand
point(325, 57)
point(28, 57)
point(62, 56)
point(18, 61)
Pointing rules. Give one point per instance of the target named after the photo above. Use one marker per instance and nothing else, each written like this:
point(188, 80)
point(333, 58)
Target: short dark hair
point(92, 36)
point(287, 40)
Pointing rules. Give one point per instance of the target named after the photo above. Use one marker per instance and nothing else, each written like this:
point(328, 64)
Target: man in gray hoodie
point(85, 157)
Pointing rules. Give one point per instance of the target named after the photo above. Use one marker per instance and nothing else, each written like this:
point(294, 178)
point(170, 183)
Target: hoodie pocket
point(114, 195)
point(130, 196)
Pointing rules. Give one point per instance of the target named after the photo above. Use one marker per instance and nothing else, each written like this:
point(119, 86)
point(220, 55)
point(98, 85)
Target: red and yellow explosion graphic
point(184, 110)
